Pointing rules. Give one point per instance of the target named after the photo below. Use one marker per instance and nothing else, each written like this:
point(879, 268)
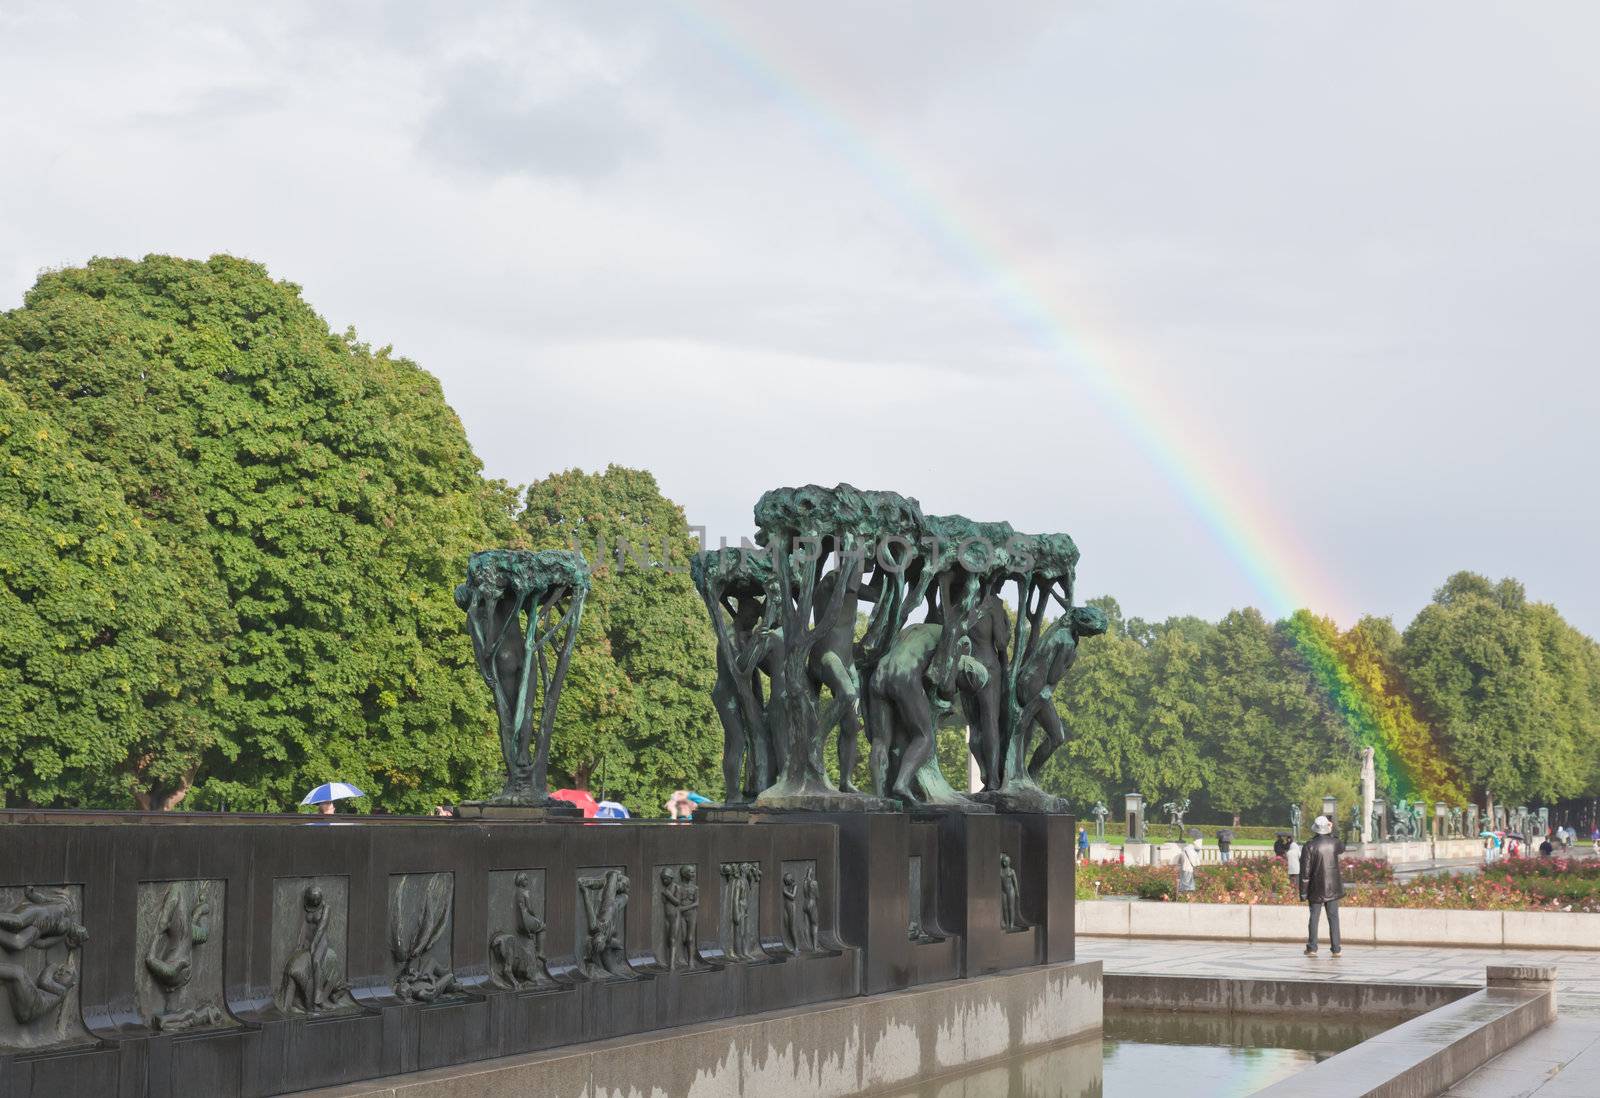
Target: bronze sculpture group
point(784, 612)
point(997, 632)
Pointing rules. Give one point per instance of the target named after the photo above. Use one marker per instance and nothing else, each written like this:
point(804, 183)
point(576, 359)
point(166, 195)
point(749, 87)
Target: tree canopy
point(87, 606)
point(313, 500)
point(1511, 688)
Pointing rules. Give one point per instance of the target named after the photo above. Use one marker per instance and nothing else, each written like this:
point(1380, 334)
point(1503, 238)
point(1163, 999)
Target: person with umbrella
point(581, 799)
point(324, 796)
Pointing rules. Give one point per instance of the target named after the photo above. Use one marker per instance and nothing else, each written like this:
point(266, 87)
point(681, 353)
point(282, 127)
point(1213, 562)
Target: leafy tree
point(317, 500)
point(638, 695)
point(1476, 659)
point(1322, 738)
point(1383, 713)
point(85, 594)
point(1247, 735)
point(1171, 764)
point(1342, 784)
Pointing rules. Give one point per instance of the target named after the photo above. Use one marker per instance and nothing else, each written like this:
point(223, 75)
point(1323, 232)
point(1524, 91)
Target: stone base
point(821, 802)
point(936, 811)
point(555, 809)
point(1023, 799)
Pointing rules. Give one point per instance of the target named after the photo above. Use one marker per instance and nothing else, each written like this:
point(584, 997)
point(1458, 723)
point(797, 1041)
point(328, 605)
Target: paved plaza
point(1563, 1061)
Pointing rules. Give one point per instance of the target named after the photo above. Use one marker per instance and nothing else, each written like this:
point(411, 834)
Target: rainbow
point(1219, 493)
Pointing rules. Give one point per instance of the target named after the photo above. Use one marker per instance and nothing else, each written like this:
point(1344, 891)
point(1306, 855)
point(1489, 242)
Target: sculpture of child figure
point(1010, 917)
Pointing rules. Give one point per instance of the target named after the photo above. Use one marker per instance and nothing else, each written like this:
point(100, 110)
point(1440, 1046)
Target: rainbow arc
point(1241, 519)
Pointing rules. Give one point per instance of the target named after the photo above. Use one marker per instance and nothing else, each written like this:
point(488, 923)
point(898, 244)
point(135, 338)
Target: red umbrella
point(579, 797)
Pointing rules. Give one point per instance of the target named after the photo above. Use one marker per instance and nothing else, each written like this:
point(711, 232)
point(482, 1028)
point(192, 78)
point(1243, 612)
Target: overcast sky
point(1349, 248)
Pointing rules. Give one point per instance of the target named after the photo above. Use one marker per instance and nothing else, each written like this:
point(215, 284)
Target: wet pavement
point(1576, 970)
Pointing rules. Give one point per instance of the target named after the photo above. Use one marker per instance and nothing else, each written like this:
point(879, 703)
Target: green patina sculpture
point(739, 590)
point(523, 607)
point(1041, 654)
point(788, 610)
point(818, 540)
point(931, 666)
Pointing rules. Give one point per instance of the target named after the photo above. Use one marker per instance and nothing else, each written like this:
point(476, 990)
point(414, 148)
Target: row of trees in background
point(1484, 693)
point(229, 537)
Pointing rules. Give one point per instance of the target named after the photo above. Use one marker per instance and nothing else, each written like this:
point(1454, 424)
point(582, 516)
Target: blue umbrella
point(332, 791)
point(610, 810)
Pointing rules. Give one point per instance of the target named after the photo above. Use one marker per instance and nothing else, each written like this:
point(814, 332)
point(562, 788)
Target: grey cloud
point(485, 123)
point(219, 105)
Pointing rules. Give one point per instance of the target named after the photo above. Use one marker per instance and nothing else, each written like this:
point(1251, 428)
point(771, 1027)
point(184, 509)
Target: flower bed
point(1520, 884)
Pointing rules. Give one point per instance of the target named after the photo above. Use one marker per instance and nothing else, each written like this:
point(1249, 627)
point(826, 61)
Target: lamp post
point(1330, 809)
point(1133, 808)
point(1380, 808)
point(1439, 813)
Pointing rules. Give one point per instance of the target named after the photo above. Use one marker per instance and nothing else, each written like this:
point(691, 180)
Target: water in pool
point(1164, 1055)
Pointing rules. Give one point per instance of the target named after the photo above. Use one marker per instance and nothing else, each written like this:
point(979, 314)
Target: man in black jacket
point(1320, 885)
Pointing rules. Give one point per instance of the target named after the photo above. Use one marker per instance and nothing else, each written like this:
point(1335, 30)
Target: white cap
point(1322, 825)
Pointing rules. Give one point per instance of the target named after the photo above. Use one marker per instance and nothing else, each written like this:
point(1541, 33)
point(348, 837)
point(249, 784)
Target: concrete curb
point(1430, 1054)
point(1231, 995)
point(1358, 925)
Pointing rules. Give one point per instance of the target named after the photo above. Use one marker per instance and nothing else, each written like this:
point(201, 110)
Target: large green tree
point(1170, 763)
point(1249, 718)
point(1131, 706)
point(638, 697)
point(317, 500)
point(1413, 761)
point(1491, 671)
point(89, 707)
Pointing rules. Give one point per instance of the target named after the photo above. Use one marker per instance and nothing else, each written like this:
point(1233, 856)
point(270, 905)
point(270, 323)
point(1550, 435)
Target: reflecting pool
point(1164, 1054)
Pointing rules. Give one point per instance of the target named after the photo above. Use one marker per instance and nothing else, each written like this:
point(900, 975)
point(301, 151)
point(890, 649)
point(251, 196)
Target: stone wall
point(217, 956)
point(1167, 853)
point(872, 1045)
point(1411, 853)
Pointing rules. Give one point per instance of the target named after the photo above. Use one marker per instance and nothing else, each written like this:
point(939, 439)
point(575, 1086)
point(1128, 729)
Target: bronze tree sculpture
point(523, 607)
point(739, 590)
